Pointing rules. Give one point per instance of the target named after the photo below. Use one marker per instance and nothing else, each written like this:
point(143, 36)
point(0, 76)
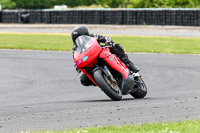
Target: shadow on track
point(109, 100)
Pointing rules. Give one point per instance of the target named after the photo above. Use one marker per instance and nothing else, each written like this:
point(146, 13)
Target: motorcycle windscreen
point(86, 52)
point(83, 43)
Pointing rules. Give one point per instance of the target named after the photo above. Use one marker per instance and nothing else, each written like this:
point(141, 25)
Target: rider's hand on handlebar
point(109, 41)
point(78, 70)
point(110, 44)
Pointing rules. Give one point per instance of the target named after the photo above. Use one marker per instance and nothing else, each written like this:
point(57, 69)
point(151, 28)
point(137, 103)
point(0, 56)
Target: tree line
point(43, 4)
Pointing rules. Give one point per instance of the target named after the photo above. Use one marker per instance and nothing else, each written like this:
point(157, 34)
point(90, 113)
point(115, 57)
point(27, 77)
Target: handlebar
point(105, 46)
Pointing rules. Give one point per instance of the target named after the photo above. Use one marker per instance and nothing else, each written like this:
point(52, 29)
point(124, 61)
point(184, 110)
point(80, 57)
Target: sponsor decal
point(85, 58)
point(78, 63)
point(111, 59)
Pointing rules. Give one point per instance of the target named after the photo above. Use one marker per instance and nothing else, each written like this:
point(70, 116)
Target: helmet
point(78, 31)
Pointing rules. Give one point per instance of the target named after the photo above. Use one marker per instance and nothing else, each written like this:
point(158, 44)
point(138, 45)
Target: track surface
point(173, 31)
point(41, 91)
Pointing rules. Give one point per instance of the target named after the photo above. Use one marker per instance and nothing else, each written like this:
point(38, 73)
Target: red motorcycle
point(106, 70)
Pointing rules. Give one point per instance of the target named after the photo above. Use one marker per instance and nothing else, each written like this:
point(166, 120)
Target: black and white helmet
point(79, 31)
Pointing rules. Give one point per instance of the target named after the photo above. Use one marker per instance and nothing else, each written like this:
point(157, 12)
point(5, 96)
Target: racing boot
point(130, 64)
point(119, 51)
point(132, 67)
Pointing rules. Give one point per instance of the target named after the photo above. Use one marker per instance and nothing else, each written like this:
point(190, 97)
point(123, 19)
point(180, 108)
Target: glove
point(109, 41)
point(109, 44)
point(95, 35)
point(78, 70)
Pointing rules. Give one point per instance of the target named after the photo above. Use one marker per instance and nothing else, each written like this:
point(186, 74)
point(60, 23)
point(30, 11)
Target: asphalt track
point(41, 91)
point(135, 30)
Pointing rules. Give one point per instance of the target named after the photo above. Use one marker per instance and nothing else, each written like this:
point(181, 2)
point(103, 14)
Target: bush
point(41, 4)
point(164, 3)
point(7, 4)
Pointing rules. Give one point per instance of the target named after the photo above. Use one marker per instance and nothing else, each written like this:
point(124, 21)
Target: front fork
point(106, 71)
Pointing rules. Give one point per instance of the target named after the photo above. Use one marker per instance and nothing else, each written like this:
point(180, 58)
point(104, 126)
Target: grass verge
point(130, 43)
point(175, 127)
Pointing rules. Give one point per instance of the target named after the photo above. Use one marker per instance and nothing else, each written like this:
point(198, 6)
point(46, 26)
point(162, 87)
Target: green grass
point(35, 41)
point(130, 43)
point(180, 127)
point(160, 44)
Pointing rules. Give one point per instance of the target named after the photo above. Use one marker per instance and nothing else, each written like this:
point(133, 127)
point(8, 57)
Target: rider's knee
point(85, 80)
point(119, 48)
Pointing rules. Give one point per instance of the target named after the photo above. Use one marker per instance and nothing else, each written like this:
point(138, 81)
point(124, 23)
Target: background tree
point(41, 4)
point(7, 4)
point(195, 3)
point(164, 3)
point(178, 3)
point(147, 3)
point(109, 3)
point(125, 3)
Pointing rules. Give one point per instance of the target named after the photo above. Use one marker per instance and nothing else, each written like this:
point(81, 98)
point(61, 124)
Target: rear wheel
point(111, 89)
point(140, 88)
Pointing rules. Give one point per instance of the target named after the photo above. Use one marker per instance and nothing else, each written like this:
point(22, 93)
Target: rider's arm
point(103, 39)
point(74, 47)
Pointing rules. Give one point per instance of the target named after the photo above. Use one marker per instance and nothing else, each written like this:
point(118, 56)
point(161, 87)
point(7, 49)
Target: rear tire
point(141, 89)
point(107, 88)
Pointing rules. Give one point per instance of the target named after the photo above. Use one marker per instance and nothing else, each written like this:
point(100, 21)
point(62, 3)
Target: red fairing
point(89, 57)
point(114, 62)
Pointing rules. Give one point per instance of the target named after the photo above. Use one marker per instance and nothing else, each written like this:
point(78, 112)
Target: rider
point(116, 49)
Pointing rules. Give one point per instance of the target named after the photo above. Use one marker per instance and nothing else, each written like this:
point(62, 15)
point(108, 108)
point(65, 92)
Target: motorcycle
point(106, 70)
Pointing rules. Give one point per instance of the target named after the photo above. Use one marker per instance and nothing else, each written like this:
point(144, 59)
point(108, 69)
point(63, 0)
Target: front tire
point(111, 90)
point(141, 89)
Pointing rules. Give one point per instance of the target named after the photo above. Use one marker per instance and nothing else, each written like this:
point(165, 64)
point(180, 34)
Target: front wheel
point(110, 89)
point(140, 88)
